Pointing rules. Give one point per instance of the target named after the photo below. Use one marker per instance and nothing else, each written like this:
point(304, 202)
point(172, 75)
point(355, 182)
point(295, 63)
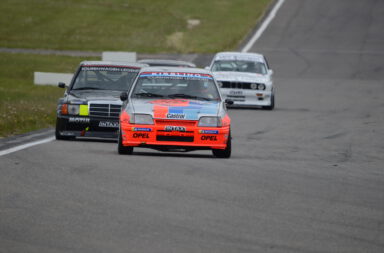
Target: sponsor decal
point(240, 57)
point(141, 135)
point(176, 116)
point(175, 128)
point(208, 138)
point(111, 124)
point(175, 75)
point(110, 68)
point(209, 131)
point(236, 92)
point(78, 120)
point(141, 129)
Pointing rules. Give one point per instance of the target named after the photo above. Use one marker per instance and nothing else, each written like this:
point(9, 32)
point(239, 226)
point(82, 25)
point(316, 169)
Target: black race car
point(91, 103)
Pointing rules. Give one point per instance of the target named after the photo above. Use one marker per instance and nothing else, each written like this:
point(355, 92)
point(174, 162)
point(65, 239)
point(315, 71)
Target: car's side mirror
point(228, 101)
point(207, 68)
point(270, 71)
point(61, 85)
point(124, 96)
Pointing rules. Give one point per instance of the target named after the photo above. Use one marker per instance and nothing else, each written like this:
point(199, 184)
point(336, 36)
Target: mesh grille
point(237, 85)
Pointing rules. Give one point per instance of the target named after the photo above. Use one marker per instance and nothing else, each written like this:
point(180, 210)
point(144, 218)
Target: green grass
point(24, 106)
point(145, 26)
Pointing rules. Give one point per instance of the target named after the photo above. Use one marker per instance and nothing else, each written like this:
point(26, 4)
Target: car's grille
point(175, 122)
point(175, 138)
point(237, 85)
point(104, 110)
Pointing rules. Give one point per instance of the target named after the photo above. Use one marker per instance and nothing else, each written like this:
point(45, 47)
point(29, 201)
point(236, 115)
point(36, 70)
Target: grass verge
point(144, 26)
point(24, 106)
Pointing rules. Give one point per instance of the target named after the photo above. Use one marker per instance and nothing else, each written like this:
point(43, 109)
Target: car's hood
point(228, 76)
point(94, 96)
point(188, 109)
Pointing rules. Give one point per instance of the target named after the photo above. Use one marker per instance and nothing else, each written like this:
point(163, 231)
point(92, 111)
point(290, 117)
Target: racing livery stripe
point(191, 110)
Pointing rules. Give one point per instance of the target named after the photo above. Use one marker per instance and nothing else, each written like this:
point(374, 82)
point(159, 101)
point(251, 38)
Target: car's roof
point(176, 70)
point(113, 63)
point(226, 55)
point(167, 62)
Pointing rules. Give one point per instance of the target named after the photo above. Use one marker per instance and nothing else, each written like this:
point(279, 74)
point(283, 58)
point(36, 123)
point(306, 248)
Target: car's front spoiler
point(193, 138)
point(90, 134)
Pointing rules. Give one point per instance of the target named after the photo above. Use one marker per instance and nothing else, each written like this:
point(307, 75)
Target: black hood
point(94, 95)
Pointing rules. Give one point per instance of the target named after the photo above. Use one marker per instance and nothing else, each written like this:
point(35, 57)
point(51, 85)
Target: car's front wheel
point(272, 106)
point(121, 149)
point(224, 153)
point(57, 133)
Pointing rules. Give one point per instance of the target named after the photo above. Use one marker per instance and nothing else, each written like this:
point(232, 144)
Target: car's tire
point(224, 153)
point(272, 106)
point(121, 149)
point(58, 135)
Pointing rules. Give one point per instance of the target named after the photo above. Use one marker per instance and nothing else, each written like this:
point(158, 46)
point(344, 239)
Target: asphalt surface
point(306, 177)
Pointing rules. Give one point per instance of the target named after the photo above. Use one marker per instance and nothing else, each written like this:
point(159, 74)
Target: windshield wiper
point(148, 94)
point(182, 95)
point(88, 88)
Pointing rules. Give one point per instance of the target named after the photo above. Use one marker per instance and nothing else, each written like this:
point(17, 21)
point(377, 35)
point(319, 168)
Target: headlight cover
point(261, 86)
point(73, 109)
point(142, 119)
point(209, 121)
point(220, 84)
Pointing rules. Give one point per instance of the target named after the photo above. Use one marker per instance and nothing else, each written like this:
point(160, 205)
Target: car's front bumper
point(192, 137)
point(78, 126)
point(247, 98)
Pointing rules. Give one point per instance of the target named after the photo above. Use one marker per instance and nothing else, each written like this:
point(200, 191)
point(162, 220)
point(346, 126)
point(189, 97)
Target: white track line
point(24, 146)
point(263, 26)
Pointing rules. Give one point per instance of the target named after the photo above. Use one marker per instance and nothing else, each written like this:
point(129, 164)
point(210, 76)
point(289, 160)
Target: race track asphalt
point(306, 177)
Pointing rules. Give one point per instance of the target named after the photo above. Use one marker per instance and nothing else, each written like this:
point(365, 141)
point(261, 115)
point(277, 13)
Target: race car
point(175, 109)
point(91, 103)
point(168, 63)
point(245, 78)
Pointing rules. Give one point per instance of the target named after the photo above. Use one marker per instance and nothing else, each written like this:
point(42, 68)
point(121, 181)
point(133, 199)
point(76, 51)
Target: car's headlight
point(207, 121)
point(220, 84)
point(73, 109)
point(261, 86)
point(142, 119)
point(253, 86)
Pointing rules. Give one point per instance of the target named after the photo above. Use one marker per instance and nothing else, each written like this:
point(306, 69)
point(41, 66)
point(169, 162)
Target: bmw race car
point(244, 78)
point(91, 104)
point(174, 109)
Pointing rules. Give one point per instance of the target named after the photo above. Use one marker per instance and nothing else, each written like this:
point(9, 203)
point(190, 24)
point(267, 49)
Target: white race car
point(244, 78)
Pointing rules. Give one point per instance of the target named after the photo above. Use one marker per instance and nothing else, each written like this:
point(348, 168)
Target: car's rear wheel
point(121, 149)
point(224, 153)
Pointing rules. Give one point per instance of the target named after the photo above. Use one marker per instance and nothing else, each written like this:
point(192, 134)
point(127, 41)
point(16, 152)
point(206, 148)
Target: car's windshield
point(117, 78)
point(176, 85)
point(240, 66)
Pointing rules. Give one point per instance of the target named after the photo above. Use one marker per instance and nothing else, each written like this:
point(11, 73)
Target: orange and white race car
point(174, 109)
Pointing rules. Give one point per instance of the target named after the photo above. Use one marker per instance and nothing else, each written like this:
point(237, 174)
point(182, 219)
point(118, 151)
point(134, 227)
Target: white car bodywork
point(246, 88)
